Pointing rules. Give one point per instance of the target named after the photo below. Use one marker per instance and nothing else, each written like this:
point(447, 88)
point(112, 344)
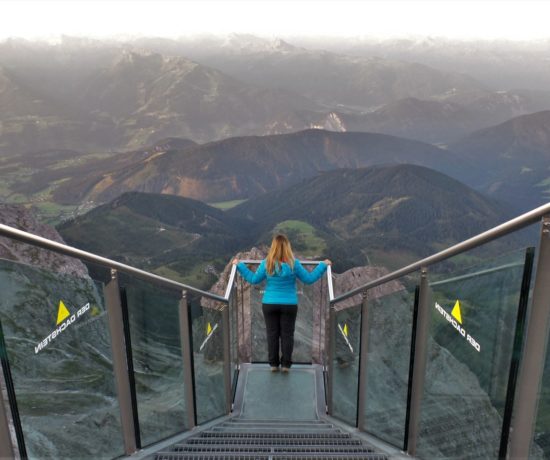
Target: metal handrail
point(71, 251)
point(230, 282)
point(303, 262)
point(496, 232)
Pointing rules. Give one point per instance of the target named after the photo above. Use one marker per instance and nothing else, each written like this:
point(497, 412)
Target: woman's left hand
point(235, 261)
point(327, 261)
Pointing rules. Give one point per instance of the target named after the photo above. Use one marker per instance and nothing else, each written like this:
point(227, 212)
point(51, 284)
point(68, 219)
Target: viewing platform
point(444, 358)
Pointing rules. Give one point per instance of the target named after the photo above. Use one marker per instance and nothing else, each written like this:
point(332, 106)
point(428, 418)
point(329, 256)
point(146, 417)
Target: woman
point(280, 300)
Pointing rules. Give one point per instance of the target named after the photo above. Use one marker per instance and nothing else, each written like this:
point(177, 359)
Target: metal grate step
point(238, 456)
point(268, 441)
point(275, 423)
point(243, 456)
point(273, 449)
point(272, 420)
point(272, 429)
point(248, 435)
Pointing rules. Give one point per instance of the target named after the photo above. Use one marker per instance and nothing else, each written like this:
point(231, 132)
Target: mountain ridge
point(242, 167)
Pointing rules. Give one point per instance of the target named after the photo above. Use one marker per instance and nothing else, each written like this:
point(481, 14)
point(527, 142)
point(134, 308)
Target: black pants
point(279, 323)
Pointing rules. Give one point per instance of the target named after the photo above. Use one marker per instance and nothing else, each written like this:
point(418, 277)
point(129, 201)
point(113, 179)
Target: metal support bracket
point(331, 352)
point(187, 357)
point(422, 327)
point(120, 365)
point(363, 356)
point(226, 337)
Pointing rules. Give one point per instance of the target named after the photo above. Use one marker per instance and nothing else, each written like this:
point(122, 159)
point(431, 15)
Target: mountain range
point(102, 96)
point(513, 158)
point(242, 167)
point(374, 92)
point(332, 79)
point(132, 98)
point(508, 161)
point(381, 215)
point(174, 236)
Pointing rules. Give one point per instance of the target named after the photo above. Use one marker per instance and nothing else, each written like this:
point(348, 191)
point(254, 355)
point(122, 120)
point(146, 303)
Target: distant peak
point(280, 45)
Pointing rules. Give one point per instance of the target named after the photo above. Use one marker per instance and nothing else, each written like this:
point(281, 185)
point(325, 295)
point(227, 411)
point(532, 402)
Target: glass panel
point(208, 357)
point(346, 363)
point(233, 325)
point(59, 348)
point(308, 299)
point(469, 354)
point(540, 448)
point(153, 314)
point(272, 396)
point(388, 359)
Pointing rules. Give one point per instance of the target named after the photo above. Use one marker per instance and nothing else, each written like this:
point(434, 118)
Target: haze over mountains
point(85, 121)
point(85, 95)
point(175, 155)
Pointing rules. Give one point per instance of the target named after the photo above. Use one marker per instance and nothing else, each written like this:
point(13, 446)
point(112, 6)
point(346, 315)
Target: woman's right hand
point(327, 261)
point(235, 261)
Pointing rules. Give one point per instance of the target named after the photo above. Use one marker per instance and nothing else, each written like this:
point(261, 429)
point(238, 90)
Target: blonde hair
point(280, 251)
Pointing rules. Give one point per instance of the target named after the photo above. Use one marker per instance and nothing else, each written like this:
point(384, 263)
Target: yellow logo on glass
point(62, 313)
point(456, 312)
point(208, 329)
point(346, 329)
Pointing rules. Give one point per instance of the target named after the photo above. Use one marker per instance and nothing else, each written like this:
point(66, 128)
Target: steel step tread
point(256, 434)
point(275, 420)
point(270, 456)
point(272, 448)
point(272, 429)
point(278, 441)
point(274, 423)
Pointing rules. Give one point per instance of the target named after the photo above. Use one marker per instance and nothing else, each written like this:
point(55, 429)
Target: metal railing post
point(120, 364)
point(187, 357)
point(534, 354)
point(331, 351)
point(419, 368)
point(226, 337)
point(362, 390)
point(6, 446)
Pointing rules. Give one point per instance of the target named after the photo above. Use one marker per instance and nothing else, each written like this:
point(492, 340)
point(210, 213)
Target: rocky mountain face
point(243, 167)
point(23, 219)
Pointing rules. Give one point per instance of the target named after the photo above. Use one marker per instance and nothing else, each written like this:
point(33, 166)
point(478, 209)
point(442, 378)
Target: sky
point(465, 19)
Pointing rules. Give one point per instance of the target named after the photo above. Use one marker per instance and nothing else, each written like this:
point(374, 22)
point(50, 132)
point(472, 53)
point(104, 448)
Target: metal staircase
point(243, 437)
point(268, 439)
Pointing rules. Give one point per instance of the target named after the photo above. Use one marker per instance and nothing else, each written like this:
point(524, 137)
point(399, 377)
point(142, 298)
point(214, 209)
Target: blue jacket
point(281, 286)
